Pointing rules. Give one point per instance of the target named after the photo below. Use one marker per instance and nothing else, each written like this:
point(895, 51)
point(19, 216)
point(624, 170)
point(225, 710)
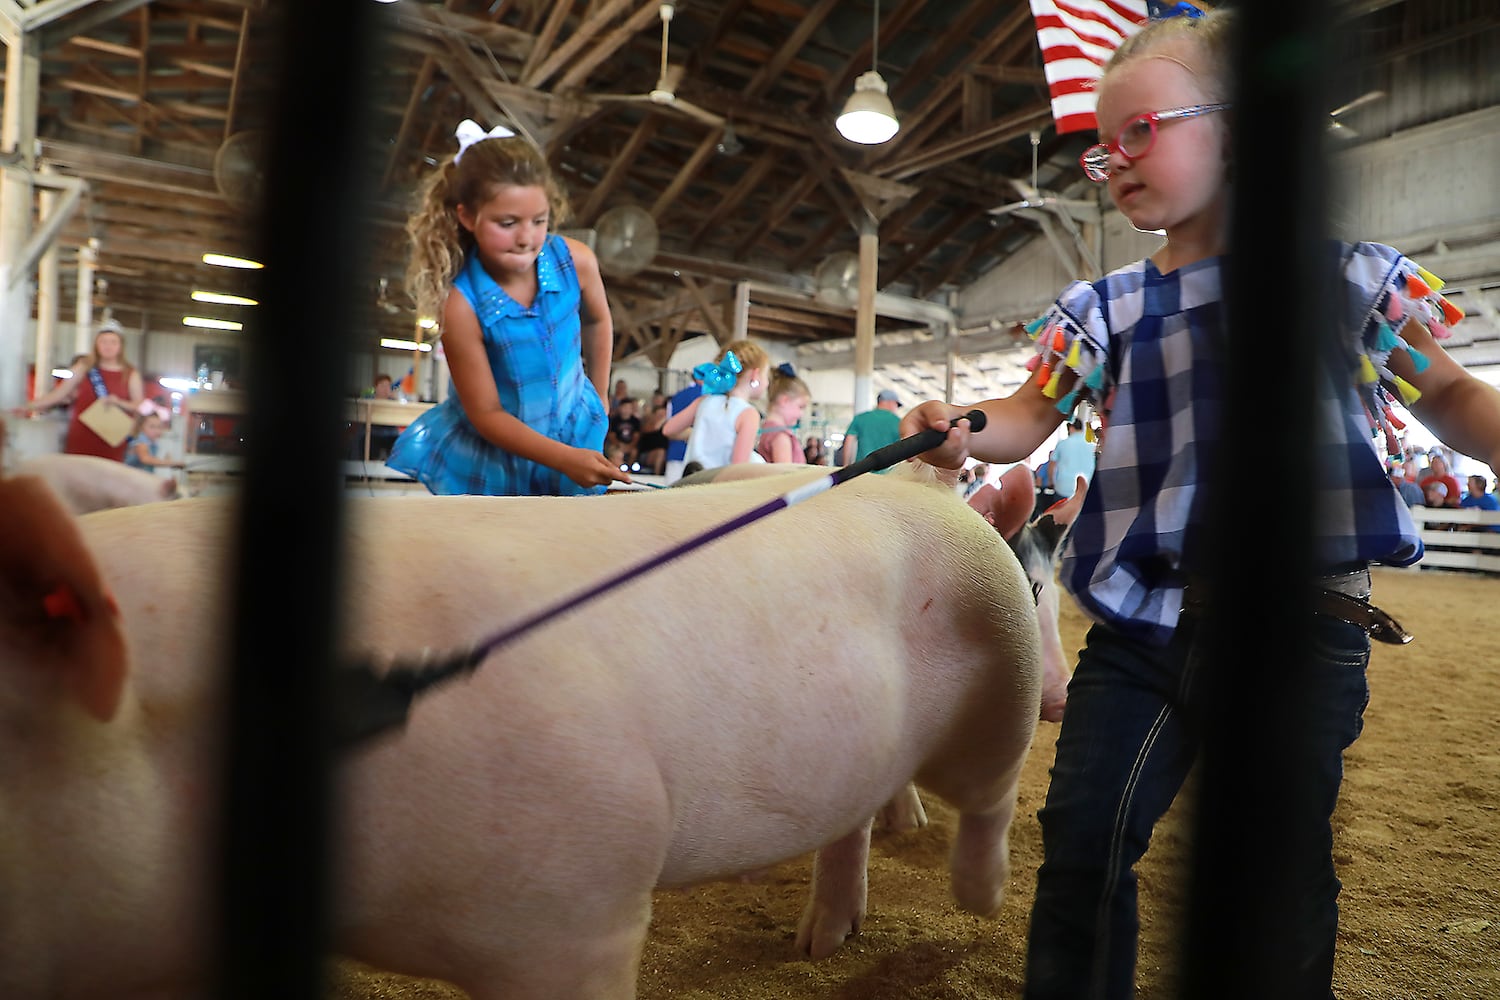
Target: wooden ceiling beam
point(790, 199)
point(594, 23)
point(617, 171)
point(732, 203)
point(935, 238)
point(770, 70)
point(685, 175)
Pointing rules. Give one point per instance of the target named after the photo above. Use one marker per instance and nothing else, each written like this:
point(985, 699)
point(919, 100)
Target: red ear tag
point(62, 603)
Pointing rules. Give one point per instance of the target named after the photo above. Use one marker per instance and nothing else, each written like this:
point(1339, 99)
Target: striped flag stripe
point(1077, 38)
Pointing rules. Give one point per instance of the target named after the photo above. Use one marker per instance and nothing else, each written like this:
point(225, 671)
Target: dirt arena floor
point(1417, 841)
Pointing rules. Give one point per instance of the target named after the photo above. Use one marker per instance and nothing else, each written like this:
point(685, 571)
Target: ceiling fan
point(1341, 130)
point(665, 91)
point(1042, 207)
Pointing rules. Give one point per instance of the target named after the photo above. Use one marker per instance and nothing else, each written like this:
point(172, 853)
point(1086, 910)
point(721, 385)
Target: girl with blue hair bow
point(724, 422)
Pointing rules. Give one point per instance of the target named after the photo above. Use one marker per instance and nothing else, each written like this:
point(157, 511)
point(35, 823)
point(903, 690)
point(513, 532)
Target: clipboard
point(112, 424)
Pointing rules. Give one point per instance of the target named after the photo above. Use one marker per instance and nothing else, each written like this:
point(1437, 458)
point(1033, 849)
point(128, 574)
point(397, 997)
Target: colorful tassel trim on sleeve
point(1061, 350)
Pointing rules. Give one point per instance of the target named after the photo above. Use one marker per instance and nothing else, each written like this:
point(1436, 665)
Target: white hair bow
point(470, 132)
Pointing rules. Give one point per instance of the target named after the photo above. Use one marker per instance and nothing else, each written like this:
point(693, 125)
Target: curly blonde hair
point(438, 243)
point(750, 354)
point(1202, 45)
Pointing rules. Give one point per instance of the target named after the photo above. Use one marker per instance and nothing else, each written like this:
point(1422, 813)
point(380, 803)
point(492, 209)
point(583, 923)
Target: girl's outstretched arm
point(474, 382)
point(682, 421)
point(597, 327)
point(1017, 426)
point(60, 393)
point(1460, 409)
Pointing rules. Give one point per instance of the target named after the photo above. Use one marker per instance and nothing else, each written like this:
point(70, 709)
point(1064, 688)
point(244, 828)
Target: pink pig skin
point(509, 838)
point(86, 483)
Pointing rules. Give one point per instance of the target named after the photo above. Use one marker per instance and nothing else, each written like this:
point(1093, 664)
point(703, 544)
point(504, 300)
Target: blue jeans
point(1130, 734)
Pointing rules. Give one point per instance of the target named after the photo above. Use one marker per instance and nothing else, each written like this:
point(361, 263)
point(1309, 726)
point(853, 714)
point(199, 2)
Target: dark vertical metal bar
point(273, 919)
point(1241, 938)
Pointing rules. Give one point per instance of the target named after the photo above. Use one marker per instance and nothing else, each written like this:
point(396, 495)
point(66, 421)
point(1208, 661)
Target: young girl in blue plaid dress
point(1140, 348)
point(526, 331)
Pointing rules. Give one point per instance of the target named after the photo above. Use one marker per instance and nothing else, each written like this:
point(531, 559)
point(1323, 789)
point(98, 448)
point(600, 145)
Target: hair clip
point(785, 368)
point(1161, 11)
point(470, 132)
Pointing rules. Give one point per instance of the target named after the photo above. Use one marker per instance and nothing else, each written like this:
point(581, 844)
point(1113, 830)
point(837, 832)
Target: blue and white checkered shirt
point(1144, 348)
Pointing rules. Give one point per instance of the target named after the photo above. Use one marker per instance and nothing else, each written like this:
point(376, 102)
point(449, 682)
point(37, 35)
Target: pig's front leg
point(981, 858)
point(837, 906)
point(904, 811)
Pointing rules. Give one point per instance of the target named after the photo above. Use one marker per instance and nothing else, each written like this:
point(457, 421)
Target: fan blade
point(622, 98)
point(1362, 99)
point(671, 78)
point(702, 114)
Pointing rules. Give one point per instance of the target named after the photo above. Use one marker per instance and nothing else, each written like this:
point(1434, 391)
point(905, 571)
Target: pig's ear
point(1017, 500)
point(57, 607)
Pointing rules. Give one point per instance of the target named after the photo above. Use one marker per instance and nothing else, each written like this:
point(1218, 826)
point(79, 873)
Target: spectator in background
point(1437, 472)
point(652, 450)
point(1410, 492)
point(972, 479)
point(1435, 493)
point(677, 444)
point(621, 393)
point(1072, 457)
point(873, 429)
point(1480, 497)
point(1046, 496)
point(103, 373)
point(625, 431)
point(143, 448)
point(814, 450)
point(785, 402)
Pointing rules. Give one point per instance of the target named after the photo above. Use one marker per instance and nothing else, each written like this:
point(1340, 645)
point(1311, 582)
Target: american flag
point(1077, 38)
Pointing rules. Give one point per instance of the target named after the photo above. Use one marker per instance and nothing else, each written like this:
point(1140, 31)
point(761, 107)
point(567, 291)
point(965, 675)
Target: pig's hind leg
point(981, 857)
point(837, 906)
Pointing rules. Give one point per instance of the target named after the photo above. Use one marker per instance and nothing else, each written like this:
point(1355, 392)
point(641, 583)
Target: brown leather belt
point(1343, 596)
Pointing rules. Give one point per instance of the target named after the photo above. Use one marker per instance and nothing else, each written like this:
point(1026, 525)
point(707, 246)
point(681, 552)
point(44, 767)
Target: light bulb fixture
point(226, 260)
point(868, 117)
point(404, 345)
point(207, 323)
point(222, 298)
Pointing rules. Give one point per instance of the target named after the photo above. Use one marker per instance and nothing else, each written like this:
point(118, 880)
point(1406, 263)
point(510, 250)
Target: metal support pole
point(864, 316)
point(1251, 932)
point(17, 138)
point(47, 287)
point(83, 310)
point(278, 808)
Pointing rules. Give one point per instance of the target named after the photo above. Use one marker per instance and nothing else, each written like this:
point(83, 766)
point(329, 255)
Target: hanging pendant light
point(868, 117)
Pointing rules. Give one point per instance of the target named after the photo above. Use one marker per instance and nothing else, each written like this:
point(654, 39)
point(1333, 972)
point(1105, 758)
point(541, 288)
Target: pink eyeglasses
point(1136, 139)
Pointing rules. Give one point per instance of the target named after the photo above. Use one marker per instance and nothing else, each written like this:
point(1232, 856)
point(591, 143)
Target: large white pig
point(509, 838)
point(1035, 542)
